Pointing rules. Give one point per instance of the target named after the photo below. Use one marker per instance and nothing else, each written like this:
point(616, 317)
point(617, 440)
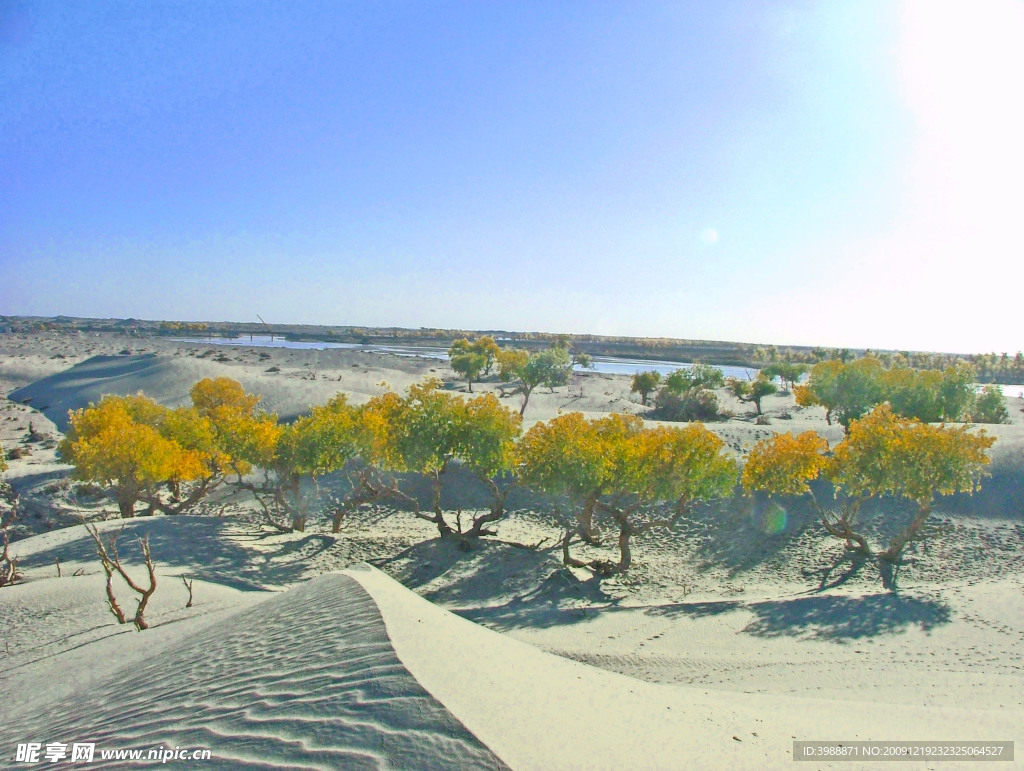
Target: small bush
point(990, 406)
point(688, 406)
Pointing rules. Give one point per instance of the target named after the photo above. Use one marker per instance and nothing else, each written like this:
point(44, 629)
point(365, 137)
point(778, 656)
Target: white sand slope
point(305, 679)
point(163, 378)
point(352, 670)
point(540, 711)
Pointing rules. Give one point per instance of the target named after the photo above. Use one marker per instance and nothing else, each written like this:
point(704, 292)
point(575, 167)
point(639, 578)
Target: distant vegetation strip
point(611, 472)
point(990, 367)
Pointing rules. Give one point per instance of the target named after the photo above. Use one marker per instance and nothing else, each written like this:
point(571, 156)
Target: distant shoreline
point(719, 353)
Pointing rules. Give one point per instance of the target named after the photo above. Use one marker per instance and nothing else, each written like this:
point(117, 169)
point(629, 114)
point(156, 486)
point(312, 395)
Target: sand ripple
point(307, 679)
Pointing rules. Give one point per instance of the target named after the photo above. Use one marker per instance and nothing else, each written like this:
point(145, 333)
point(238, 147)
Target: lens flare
point(772, 519)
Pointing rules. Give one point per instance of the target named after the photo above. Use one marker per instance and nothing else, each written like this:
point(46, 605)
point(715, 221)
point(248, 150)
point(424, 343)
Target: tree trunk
point(843, 526)
point(588, 532)
point(126, 504)
point(526, 400)
point(566, 558)
point(496, 513)
point(442, 527)
point(363, 492)
point(625, 555)
point(897, 544)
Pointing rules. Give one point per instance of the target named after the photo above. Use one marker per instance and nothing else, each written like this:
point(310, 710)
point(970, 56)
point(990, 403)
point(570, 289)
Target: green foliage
point(469, 365)
point(846, 391)
point(699, 376)
point(686, 395)
point(788, 372)
point(3, 459)
point(551, 368)
point(473, 359)
point(429, 428)
point(326, 440)
point(695, 405)
point(584, 360)
point(914, 393)
point(752, 390)
point(990, 406)
point(957, 392)
point(849, 391)
point(644, 383)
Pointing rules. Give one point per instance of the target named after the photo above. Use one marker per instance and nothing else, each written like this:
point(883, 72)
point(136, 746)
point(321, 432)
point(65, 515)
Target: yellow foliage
point(241, 437)
point(511, 363)
point(805, 396)
point(250, 440)
point(615, 455)
point(885, 454)
point(108, 443)
point(379, 418)
point(783, 464)
point(216, 397)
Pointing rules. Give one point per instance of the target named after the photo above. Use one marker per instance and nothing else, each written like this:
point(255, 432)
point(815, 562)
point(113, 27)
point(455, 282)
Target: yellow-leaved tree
point(883, 454)
point(127, 443)
point(281, 465)
point(427, 429)
point(613, 468)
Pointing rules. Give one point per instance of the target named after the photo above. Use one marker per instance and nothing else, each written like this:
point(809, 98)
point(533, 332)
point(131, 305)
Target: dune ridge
point(305, 679)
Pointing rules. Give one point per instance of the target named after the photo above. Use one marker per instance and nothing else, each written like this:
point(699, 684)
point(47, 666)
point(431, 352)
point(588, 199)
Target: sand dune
point(352, 670)
point(305, 679)
point(725, 642)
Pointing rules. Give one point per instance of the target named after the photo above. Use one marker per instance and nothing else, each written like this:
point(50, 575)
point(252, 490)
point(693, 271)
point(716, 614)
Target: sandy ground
point(745, 622)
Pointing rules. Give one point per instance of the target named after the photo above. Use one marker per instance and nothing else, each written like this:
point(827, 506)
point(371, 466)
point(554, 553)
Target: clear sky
point(821, 173)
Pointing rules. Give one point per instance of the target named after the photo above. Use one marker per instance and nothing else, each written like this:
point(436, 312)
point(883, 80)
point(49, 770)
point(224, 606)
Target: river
point(609, 365)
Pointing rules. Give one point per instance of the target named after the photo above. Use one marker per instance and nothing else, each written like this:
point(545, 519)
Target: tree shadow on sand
point(203, 547)
point(496, 583)
point(829, 617)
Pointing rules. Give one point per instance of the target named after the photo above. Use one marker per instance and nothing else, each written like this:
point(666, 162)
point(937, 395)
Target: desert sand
point(733, 634)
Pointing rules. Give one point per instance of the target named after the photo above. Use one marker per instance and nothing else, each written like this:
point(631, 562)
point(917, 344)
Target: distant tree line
point(988, 367)
point(846, 389)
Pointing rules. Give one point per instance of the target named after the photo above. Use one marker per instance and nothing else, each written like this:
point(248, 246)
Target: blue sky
point(791, 172)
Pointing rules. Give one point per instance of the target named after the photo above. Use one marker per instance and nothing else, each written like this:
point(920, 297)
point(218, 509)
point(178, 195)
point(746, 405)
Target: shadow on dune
point(742, 534)
point(88, 381)
point(1001, 493)
point(844, 618)
point(553, 603)
point(694, 609)
point(205, 548)
point(503, 585)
